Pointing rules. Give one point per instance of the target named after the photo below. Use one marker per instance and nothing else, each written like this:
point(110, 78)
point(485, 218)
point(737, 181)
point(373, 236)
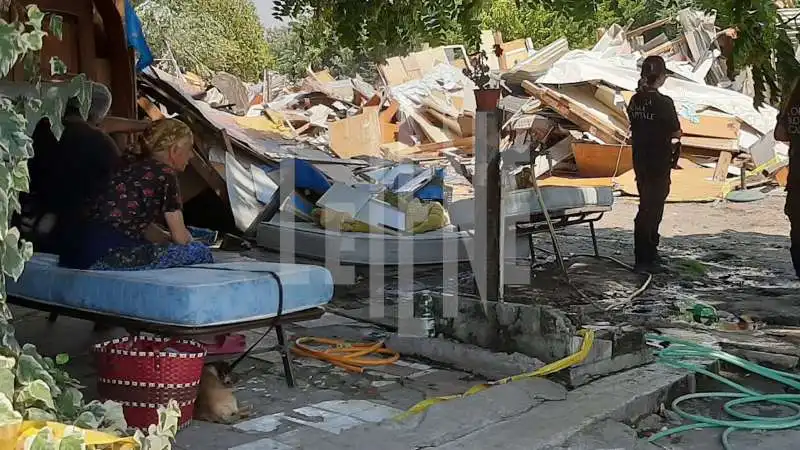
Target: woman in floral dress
point(137, 222)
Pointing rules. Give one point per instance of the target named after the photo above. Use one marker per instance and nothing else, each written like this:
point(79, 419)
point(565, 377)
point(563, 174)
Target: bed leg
point(286, 356)
point(594, 239)
point(52, 317)
point(532, 249)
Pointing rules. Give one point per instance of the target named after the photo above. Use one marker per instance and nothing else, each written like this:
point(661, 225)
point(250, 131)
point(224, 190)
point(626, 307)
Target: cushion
point(197, 296)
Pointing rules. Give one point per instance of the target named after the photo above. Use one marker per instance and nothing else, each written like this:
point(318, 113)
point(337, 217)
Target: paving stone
point(206, 436)
point(263, 444)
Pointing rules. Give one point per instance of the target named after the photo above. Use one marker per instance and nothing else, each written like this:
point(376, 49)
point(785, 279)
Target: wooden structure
point(93, 42)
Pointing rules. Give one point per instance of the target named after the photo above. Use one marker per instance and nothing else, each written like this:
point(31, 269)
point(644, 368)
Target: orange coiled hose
point(353, 357)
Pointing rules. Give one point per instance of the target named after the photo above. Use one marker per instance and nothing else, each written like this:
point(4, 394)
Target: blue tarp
point(306, 176)
point(136, 39)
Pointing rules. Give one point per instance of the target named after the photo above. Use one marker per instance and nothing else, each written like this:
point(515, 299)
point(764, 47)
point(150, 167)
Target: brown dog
point(215, 399)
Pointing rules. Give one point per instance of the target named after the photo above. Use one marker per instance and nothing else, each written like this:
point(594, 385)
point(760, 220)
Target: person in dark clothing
point(65, 174)
point(788, 130)
point(655, 134)
point(136, 222)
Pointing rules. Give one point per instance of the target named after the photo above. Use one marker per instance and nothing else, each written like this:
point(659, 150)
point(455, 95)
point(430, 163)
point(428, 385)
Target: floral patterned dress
point(139, 194)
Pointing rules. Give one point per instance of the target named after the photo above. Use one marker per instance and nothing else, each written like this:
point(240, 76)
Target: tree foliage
point(312, 42)
point(381, 28)
point(207, 36)
point(763, 44)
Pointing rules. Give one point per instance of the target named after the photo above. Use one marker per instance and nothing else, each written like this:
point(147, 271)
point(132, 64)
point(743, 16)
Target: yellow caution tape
point(569, 361)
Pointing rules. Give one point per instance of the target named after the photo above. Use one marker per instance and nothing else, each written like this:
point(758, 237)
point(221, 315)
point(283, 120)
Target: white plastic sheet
point(581, 66)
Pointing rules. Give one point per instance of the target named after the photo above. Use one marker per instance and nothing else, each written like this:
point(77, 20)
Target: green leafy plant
point(207, 36)
point(383, 28)
point(310, 41)
point(33, 387)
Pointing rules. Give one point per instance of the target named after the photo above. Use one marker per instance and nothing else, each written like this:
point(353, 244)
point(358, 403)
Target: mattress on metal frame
point(313, 242)
point(520, 204)
point(197, 296)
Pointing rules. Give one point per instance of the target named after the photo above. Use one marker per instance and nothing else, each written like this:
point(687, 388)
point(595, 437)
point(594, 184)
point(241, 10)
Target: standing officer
point(655, 133)
point(788, 130)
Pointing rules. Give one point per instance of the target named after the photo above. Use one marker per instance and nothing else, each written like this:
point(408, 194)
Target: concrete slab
point(465, 357)
point(619, 397)
point(263, 444)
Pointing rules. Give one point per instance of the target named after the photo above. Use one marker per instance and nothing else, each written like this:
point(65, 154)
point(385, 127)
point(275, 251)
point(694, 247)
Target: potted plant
point(487, 93)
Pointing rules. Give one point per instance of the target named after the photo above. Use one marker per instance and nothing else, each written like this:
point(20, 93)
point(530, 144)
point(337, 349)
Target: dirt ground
point(734, 256)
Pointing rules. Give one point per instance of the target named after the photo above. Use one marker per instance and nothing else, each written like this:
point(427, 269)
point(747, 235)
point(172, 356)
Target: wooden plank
point(323, 76)
point(688, 185)
point(149, 108)
point(450, 123)
point(723, 163)
point(584, 111)
point(467, 123)
point(358, 135)
point(462, 143)
point(718, 144)
point(663, 48)
point(430, 130)
point(602, 161)
point(393, 72)
point(487, 46)
point(608, 96)
point(387, 115)
point(712, 125)
point(211, 175)
point(412, 67)
point(389, 132)
point(645, 28)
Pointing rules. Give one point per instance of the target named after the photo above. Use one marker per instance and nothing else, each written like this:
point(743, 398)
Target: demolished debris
point(373, 157)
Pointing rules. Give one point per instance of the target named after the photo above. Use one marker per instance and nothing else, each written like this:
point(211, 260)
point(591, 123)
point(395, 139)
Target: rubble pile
point(394, 160)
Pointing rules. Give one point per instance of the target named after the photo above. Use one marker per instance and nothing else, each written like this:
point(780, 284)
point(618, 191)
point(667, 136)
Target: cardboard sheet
point(576, 182)
point(692, 184)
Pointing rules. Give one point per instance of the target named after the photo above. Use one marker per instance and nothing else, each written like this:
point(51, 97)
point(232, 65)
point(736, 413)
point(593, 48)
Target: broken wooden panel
point(581, 108)
point(712, 124)
point(602, 161)
point(707, 143)
point(721, 168)
point(78, 49)
point(393, 71)
point(359, 135)
point(689, 184)
point(431, 131)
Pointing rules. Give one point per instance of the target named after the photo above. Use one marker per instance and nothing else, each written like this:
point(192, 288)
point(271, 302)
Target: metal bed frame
point(561, 219)
point(137, 326)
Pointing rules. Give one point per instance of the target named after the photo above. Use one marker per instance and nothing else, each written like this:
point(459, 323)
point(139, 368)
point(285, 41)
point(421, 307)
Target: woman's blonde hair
point(164, 134)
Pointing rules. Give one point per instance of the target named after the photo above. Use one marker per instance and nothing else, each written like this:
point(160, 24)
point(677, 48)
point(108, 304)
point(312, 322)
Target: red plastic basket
point(143, 373)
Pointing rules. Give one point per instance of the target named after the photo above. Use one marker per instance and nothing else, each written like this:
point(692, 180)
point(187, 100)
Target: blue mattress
point(198, 296)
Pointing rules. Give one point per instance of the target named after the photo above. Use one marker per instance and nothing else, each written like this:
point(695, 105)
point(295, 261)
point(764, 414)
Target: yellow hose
point(574, 359)
point(349, 356)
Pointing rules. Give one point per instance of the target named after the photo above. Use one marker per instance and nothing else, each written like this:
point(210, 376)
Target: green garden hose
point(687, 355)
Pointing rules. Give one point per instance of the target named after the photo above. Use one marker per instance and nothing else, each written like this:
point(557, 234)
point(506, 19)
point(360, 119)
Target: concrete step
point(526, 415)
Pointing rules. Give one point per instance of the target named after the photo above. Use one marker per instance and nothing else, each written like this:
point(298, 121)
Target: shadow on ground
point(743, 273)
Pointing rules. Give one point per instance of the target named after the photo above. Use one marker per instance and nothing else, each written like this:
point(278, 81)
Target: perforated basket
point(143, 373)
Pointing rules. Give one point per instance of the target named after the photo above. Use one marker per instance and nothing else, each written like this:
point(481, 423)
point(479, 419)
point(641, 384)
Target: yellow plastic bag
point(8, 435)
point(91, 438)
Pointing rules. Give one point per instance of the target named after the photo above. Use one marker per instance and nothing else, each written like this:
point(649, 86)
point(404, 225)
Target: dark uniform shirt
point(653, 122)
point(790, 120)
point(139, 194)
